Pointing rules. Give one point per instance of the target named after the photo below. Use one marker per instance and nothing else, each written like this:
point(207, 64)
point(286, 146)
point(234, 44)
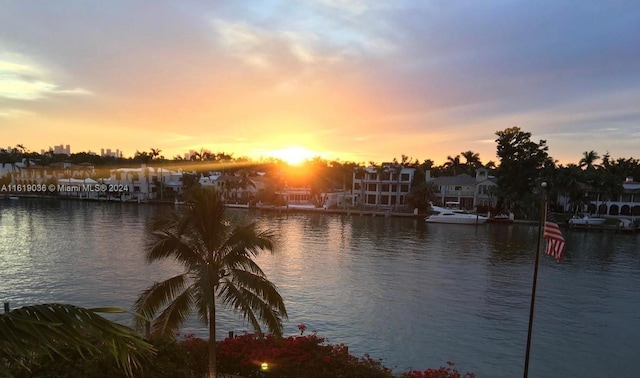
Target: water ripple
point(416, 294)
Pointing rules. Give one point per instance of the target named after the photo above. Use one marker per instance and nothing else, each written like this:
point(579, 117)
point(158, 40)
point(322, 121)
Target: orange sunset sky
point(350, 80)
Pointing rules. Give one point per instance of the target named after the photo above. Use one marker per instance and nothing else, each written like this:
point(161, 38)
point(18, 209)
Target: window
point(372, 187)
point(384, 200)
point(356, 186)
point(385, 187)
point(404, 177)
point(371, 199)
point(404, 188)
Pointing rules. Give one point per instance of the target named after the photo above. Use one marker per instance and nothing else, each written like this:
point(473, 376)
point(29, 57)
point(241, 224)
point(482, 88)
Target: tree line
point(521, 166)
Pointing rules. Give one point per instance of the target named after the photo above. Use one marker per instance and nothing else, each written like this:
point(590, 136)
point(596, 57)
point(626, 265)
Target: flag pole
point(543, 216)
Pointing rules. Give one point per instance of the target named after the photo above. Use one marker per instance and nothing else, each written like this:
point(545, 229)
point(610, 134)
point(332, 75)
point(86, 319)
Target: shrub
point(307, 356)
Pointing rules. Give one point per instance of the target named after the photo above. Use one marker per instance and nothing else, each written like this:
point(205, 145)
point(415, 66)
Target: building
point(627, 204)
point(467, 191)
point(486, 189)
point(384, 187)
point(108, 153)
point(32, 173)
point(61, 150)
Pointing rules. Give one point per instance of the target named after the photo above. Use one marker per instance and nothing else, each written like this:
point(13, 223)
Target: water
point(413, 294)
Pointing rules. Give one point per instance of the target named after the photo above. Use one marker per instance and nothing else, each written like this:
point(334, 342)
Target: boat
point(628, 225)
point(454, 216)
point(501, 218)
point(585, 220)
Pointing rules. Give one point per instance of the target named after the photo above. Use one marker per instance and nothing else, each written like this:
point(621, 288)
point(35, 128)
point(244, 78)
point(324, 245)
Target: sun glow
point(294, 155)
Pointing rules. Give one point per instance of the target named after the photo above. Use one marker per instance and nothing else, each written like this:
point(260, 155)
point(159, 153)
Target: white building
point(627, 204)
point(145, 183)
point(384, 187)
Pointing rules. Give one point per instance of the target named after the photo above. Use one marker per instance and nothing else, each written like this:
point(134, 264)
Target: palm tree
point(154, 153)
point(48, 328)
point(588, 159)
point(453, 163)
point(219, 268)
point(472, 161)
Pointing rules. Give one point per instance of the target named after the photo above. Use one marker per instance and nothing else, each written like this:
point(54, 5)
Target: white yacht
point(454, 216)
point(585, 220)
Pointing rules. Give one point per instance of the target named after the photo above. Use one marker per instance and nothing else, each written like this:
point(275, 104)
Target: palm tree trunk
point(213, 368)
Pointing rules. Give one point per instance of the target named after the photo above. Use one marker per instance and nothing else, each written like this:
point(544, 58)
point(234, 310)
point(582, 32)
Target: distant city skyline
point(350, 80)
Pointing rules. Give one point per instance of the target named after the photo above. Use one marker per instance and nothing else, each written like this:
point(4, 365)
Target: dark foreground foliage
point(306, 356)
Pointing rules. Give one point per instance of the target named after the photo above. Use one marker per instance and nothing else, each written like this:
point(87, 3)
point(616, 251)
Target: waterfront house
point(144, 183)
point(297, 197)
point(627, 204)
point(165, 183)
point(468, 191)
point(86, 188)
point(28, 172)
point(383, 187)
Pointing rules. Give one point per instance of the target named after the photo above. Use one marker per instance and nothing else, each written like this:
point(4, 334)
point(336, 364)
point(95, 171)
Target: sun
point(294, 155)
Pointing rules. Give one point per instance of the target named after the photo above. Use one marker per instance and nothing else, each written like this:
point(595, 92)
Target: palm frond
point(163, 221)
point(262, 287)
point(174, 315)
point(156, 296)
point(202, 307)
point(245, 239)
point(256, 298)
point(244, 262)
point(47, 328)
point(169, 245)
point(233, 297)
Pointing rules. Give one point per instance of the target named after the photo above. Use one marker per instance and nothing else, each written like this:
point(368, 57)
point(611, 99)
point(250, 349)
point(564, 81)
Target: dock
point(600, 227)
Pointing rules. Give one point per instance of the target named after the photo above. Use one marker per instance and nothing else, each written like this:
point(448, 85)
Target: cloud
point(430, 76)
point(21, 79)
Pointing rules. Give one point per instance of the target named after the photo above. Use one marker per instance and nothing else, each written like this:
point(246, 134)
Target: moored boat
point(585, 220)
point(454, 216)
point(628, 225)
point(501, 218)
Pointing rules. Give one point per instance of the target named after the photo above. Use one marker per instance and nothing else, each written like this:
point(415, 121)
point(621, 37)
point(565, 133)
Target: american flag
point(553, 237)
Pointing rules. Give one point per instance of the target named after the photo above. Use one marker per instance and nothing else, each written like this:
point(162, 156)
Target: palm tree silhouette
point(220, 269)
point(588, 159)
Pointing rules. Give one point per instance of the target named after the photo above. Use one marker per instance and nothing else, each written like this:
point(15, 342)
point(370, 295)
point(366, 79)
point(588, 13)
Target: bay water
point(416, 295)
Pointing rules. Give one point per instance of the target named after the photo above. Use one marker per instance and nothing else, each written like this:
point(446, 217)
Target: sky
point(352, 80)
